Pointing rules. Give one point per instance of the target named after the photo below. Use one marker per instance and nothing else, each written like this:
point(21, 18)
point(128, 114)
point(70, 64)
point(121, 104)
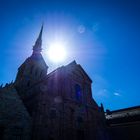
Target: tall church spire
point(33, 69)
point(37, 48)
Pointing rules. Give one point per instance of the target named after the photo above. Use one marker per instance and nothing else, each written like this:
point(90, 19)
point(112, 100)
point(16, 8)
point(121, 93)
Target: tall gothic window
point(78, 92)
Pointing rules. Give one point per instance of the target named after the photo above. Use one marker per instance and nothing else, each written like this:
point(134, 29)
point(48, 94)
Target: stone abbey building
point(54, 106)
point(59, 106)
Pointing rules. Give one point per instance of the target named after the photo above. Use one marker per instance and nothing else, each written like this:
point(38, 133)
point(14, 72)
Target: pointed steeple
point(37, 48)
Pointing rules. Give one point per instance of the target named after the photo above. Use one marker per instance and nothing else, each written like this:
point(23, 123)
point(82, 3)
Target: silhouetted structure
point(59, 106)
point(54, 106)
point(124, 124)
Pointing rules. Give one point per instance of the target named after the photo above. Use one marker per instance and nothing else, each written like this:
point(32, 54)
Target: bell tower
point(33, 68)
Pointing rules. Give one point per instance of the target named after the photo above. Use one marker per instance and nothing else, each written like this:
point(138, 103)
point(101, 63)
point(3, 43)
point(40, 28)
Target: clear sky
point(103, 36)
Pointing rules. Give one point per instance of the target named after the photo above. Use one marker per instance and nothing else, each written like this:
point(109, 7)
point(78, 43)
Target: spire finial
point(40, 34)
point(37, 48)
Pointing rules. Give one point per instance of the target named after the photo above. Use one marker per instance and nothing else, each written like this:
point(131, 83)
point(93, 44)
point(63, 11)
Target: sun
point(57, 52)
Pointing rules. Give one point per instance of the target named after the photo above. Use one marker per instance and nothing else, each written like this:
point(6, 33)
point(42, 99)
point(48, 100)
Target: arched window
point(78, 92)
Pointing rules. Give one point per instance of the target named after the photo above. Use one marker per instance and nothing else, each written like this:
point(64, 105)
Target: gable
point(83, 73)
point(77, 71)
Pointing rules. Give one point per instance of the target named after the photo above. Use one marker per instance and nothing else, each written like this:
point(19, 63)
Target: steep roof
point(74, 64)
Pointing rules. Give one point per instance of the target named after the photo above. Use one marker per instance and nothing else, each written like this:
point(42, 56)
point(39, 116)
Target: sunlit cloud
point(117, 94)
point(103, 93)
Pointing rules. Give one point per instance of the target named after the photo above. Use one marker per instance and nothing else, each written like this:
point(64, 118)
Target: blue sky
point(103, 36)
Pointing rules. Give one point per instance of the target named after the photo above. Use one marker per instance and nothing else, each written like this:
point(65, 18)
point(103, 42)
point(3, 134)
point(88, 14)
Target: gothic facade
point(54, 106)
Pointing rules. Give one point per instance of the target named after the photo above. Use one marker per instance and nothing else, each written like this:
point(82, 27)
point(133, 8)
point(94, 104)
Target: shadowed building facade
point(59, 106)
point(56, 106)
point(124, 124)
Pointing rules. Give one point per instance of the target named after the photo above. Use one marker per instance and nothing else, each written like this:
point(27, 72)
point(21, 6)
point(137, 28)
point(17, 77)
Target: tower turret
point(34, 67)
point(37, 48)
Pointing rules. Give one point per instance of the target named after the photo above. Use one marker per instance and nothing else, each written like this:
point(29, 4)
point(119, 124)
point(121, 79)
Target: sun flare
point(57, 52)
